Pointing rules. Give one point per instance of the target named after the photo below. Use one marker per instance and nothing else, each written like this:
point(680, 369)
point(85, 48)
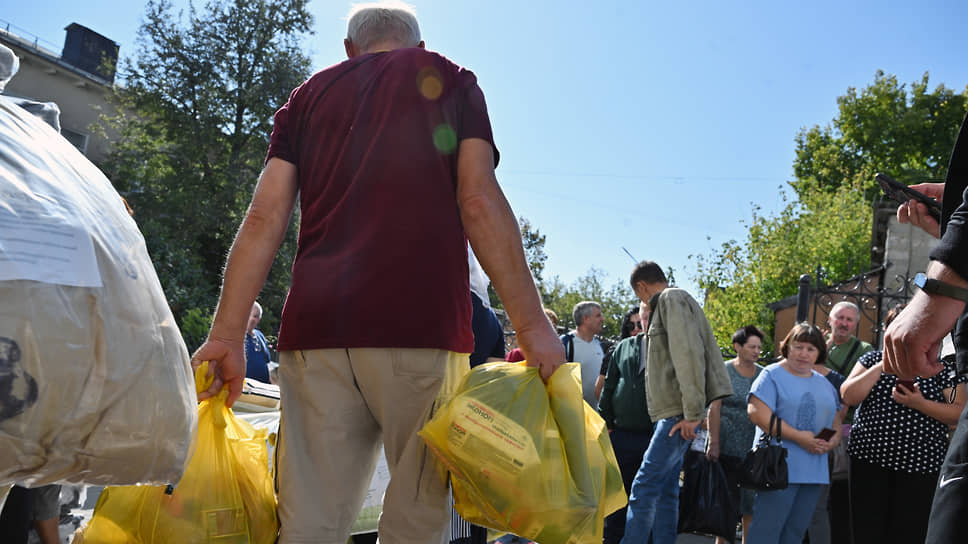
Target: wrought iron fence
point(869, 291)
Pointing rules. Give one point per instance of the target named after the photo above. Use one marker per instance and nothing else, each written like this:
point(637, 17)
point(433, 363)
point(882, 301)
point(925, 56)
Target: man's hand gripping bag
point(225, 496)
point(526, 458)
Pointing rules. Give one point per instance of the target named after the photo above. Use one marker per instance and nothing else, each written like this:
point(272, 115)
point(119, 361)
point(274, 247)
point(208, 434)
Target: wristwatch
point(938, 287)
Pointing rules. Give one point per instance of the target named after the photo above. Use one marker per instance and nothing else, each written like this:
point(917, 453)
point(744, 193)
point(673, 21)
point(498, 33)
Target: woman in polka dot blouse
point(896, 446)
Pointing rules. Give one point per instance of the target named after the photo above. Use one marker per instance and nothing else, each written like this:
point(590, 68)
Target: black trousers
point(15, 519)
point(888, 505)
point(629, 448)
point(949, 511)
point(839, 505)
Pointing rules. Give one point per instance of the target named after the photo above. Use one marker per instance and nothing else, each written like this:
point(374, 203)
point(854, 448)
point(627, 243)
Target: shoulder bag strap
point(569, 341)
point(846, 361)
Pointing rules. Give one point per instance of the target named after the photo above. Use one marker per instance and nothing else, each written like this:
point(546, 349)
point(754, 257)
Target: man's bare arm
point(248, 264)
point(495, 236)
point(911, 341)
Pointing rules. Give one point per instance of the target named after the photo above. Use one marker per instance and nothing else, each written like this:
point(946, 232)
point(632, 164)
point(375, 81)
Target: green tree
point(534, 252)
point(829, 229)
point(827, 222)
point(197, 108)
point(534, 249)
point(907, 131)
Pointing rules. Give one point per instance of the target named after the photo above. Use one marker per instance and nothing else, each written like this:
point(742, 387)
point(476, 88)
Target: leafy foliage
point(827, 222)
point(534, 251)
point(196, 113)
point(831, 230)
point(615, 300)
point(194, 327)
point(884, 127)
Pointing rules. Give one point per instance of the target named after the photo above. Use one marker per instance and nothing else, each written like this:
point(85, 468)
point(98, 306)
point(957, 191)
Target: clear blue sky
point(644, 125)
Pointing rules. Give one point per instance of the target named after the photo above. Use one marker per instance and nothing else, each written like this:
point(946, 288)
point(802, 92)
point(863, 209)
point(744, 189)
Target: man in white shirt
point(581, 346)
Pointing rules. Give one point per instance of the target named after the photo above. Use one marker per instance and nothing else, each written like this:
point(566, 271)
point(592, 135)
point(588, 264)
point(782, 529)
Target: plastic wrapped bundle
point(526, 458)
point(95, 383)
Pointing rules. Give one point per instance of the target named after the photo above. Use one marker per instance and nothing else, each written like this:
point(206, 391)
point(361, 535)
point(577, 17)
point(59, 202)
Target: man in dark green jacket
point(624, 408)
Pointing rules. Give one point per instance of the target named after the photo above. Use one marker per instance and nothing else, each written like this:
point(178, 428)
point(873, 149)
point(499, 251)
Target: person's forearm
point(713, 418)
point(856, 388)
point(941, 411)
point(760, 414)
point(947, 413)
point(838, 426)
point(948, 274)
point(496, 238)
point(246, 269)
point(253, 251)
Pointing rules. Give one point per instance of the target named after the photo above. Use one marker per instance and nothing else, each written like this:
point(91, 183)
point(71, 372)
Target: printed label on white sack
point(38, 242)
point(483, 437)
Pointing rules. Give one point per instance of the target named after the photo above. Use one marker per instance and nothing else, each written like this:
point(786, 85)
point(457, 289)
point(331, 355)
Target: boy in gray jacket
point(684, 374)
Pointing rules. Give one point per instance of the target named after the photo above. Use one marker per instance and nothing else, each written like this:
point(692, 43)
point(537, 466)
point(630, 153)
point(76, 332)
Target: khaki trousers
point(336, 406)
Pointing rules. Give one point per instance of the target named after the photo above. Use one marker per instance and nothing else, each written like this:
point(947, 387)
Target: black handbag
point(765, 467)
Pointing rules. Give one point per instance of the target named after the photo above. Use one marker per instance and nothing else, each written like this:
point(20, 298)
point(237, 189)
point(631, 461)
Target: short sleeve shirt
point(589, 355)
point(374, 140)
point(735, 428)
point(895, 437)
point(807, 403)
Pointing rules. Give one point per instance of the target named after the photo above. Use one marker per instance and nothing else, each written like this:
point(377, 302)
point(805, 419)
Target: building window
point(77, 139)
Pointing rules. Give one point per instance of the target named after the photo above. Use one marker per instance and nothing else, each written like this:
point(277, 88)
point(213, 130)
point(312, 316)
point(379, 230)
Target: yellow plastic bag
point(226, 495)
point(528, 459)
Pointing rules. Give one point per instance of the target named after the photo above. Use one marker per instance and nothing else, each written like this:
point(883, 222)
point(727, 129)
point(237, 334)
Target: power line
point(651, 177)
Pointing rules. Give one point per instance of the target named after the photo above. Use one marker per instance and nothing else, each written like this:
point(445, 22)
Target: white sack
point(95, 382)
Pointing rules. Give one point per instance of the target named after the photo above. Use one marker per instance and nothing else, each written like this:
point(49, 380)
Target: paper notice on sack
point(38, 245)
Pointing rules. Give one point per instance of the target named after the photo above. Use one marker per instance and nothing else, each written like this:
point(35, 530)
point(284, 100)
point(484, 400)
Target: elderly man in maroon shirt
point(392, 158)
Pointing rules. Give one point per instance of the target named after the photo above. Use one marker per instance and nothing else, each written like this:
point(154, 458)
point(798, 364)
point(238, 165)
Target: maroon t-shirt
point(382, 256)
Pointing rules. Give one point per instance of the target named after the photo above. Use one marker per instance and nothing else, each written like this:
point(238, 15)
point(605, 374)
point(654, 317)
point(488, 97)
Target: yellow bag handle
point(203, 380)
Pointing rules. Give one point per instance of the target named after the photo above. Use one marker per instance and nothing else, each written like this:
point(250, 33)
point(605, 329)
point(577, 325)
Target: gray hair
point(376, 22)
point(584, 309)
point(257, 306)
point(845, 304)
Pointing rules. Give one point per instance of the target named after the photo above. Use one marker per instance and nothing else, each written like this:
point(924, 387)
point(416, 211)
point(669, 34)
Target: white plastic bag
point(95, 383)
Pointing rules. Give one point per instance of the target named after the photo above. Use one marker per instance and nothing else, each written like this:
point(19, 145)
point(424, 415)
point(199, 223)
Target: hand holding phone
point(906, 385)
point(900, 194)
point(825, 434)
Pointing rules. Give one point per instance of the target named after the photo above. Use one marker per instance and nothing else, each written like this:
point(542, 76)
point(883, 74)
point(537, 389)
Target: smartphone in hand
point(901, 193)
point(825, 434)
point(907, 385)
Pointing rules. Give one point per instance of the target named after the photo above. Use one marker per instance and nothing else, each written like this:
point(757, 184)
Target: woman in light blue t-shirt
point(805, 403)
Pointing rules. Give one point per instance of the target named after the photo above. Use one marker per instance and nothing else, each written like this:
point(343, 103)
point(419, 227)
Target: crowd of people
point(352, 380)
point(347, 383)
point(896, 445)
